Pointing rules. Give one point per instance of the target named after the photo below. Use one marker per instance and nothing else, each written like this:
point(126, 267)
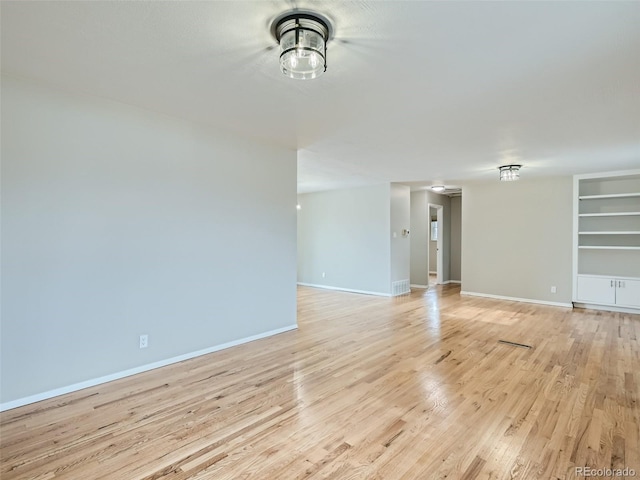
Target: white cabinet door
point(596, 290)
point(628, 293)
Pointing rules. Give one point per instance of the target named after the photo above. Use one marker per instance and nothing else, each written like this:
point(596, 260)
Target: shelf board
point(611, 195)
point(612, 214)
point(598, 275)
point(611, 233)
point(606, 247)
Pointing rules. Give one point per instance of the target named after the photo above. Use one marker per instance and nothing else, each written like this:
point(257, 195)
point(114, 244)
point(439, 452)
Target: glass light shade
point(303, 50)
point(509, 173)
point(438, 188)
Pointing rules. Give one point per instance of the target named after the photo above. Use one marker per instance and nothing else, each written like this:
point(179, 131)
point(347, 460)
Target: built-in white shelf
point(612, 195)
point(607, 247)
point(606, 236)
point(610, 233)
point(612, 214)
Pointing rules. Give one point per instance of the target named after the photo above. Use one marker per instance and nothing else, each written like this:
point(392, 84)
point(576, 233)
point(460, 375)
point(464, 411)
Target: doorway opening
point(434, 245)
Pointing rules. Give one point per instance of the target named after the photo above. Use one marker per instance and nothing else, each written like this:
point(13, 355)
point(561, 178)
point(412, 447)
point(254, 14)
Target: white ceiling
point(415, 91)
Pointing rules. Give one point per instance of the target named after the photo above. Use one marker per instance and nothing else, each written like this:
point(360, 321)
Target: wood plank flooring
point(412, 387)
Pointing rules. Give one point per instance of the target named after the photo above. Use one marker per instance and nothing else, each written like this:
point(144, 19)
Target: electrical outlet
point(554, 290)
point(144, 341)
point(323, 274)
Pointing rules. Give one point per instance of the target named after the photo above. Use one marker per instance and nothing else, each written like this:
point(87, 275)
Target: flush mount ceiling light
point(509, 173)
point(438, 188)
point(303, 40)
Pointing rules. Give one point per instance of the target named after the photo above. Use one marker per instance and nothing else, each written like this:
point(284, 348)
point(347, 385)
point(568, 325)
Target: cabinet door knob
point(613, 284)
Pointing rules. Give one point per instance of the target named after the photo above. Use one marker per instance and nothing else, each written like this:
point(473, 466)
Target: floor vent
point(400, 287)
point(514, 344)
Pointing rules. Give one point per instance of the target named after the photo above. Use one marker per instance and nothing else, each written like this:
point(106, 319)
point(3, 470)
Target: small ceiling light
point(438, 188)
point(303, 40)
point(509, 173)
point(298, 207)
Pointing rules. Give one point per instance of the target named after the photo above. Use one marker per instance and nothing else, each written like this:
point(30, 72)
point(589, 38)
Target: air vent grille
point(400, 287)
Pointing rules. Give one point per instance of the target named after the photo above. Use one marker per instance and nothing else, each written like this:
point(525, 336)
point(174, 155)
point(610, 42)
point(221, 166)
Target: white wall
point(118, 222)
point(517, 238)
point(345, 235)
point(400, 220)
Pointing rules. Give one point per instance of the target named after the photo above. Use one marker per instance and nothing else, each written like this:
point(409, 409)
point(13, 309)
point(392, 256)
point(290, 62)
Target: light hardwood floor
point(413, 387)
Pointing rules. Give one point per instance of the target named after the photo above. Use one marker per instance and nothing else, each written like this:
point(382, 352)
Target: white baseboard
point(415, 285)
point(350, 290)
point(133, 371)
point(608, 308)
point(517, 299)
